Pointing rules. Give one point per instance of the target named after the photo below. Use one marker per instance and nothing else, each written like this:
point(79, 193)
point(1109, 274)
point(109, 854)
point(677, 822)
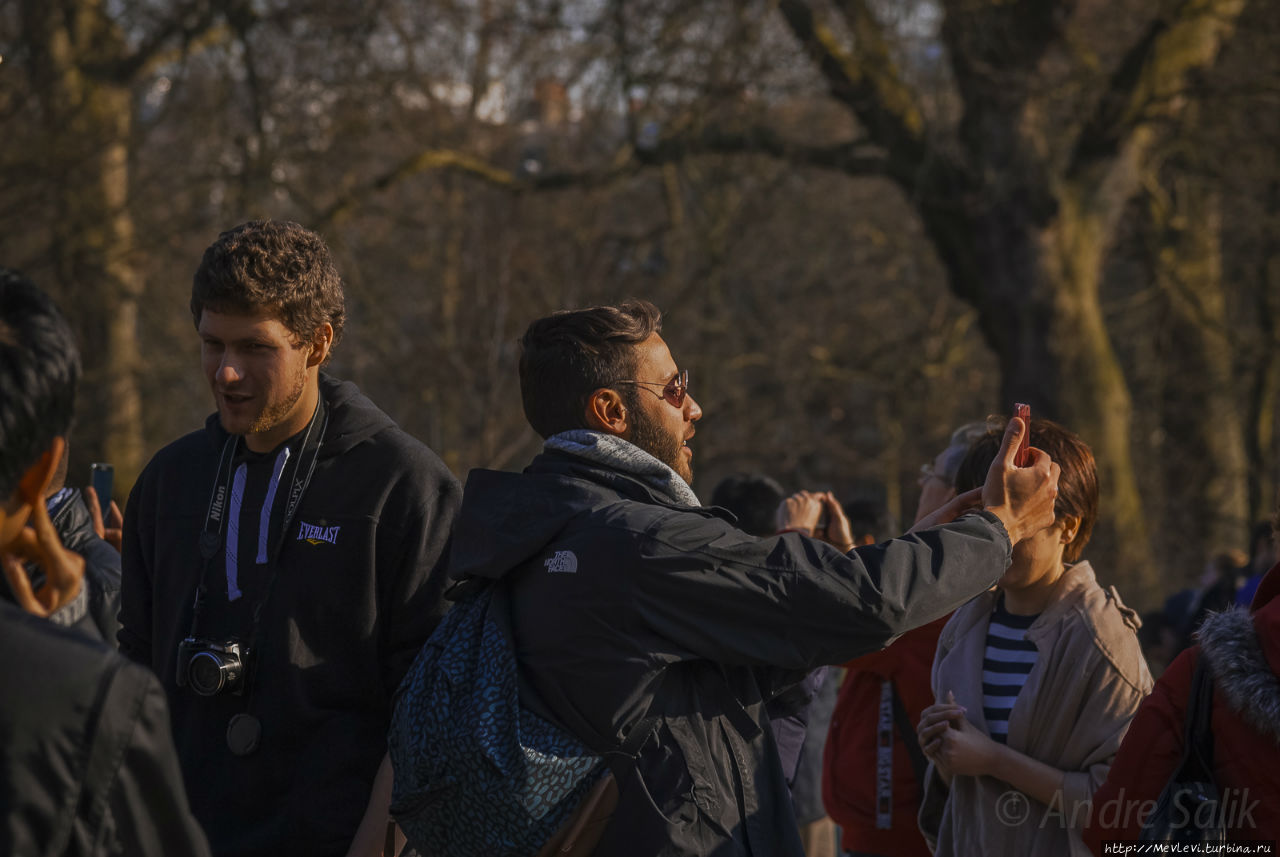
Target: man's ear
point(321, 342)
point(35, 481)
point(606, 412)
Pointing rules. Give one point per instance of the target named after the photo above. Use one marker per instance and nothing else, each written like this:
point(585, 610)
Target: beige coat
point(1072, 713)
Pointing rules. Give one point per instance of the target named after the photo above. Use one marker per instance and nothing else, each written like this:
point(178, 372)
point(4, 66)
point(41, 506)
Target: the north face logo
point(315, 535)
point(563, 562)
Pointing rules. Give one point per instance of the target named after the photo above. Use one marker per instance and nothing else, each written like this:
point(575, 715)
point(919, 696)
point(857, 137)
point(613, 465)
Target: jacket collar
point(614, 453)
point(1075, 582)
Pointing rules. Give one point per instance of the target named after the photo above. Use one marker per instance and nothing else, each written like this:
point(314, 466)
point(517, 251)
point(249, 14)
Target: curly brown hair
point(272, 265)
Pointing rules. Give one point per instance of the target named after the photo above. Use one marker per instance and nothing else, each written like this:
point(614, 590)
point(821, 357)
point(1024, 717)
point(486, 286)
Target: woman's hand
point(962, 749)
point(934, 723)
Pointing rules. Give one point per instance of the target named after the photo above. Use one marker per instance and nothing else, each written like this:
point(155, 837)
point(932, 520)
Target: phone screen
point(101, 477)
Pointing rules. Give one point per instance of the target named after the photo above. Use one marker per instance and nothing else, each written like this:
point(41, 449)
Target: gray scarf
point(618, 454)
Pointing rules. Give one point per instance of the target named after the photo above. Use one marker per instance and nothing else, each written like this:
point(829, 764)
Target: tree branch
point(193, 25)
point(867, 82)
point(1150, 83)
point(850, 158)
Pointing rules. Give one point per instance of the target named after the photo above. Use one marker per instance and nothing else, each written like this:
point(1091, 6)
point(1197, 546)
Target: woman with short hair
point(1034, 681)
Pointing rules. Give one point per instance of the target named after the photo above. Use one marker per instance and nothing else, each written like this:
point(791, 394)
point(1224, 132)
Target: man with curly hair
point(282, 565)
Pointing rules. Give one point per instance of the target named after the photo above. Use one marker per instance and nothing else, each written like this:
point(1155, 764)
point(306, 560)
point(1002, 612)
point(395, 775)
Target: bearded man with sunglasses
point(633, 603)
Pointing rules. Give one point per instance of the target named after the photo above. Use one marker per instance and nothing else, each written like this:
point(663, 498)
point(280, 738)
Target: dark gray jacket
point(624, 605)
point(87, 765)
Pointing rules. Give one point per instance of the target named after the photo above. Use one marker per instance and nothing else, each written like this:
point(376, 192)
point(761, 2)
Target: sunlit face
point(264, 386)
point(654, 424)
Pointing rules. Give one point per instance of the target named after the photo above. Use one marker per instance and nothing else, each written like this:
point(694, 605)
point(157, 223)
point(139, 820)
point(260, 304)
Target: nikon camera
point(211, 668)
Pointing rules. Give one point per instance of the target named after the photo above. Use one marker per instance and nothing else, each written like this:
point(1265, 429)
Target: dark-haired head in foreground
point(39, 371)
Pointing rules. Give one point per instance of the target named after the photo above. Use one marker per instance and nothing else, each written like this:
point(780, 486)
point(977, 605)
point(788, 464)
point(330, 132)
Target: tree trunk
point(1210, 472)
point(1040, 312)
point(88, 121)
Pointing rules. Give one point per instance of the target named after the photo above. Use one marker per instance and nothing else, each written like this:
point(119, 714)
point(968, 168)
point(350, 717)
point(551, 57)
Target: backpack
point(476, 771)
point(1189, 808)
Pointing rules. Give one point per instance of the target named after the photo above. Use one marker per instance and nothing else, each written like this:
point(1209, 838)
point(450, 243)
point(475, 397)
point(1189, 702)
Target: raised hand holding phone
point(1022, 497)
point(1023, 456)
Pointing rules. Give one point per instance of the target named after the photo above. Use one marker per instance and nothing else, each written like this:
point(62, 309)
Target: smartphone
point(101, 477)
point(1023, 455)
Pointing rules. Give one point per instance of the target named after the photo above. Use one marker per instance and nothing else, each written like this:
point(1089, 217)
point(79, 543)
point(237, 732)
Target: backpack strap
point(1197, 739)
point(112, 721)
point(908, 735)
point(638, 734)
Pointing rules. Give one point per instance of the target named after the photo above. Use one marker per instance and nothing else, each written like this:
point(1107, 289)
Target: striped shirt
point(1006, 664)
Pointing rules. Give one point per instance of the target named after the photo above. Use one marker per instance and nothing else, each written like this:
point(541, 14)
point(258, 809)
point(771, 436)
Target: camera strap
point(244, 731)
point(212, 536)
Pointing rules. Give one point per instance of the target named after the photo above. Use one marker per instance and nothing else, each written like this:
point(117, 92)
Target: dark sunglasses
point(674, 391)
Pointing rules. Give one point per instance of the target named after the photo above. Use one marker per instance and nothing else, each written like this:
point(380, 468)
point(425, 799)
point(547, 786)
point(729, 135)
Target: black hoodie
point(358, 590)
point(625, 605)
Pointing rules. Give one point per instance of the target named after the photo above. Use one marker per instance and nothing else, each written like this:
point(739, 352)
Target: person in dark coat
point(87, 765)
point(296, 542)
point(630, 600)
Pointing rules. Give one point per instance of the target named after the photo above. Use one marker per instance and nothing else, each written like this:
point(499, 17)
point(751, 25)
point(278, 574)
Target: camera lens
point(205, 672)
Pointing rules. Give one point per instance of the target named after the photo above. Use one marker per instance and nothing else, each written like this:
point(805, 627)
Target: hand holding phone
point(101, 477)
point(1023, 455)
point(108, 522)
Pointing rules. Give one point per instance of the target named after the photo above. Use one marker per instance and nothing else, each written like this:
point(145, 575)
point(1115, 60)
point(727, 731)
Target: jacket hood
point(506, 518)
point(1243, 648)
point(352, 418)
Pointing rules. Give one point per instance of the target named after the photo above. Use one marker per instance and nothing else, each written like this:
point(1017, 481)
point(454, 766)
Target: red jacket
point(1244, 651)
point(849, 762)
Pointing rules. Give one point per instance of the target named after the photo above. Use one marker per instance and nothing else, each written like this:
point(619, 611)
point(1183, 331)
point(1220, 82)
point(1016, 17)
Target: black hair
point(39, 371)
point(753, 498)
point(568, 355)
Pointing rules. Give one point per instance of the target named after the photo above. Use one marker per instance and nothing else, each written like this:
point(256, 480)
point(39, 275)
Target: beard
point(648, 435)
point(275, 411)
